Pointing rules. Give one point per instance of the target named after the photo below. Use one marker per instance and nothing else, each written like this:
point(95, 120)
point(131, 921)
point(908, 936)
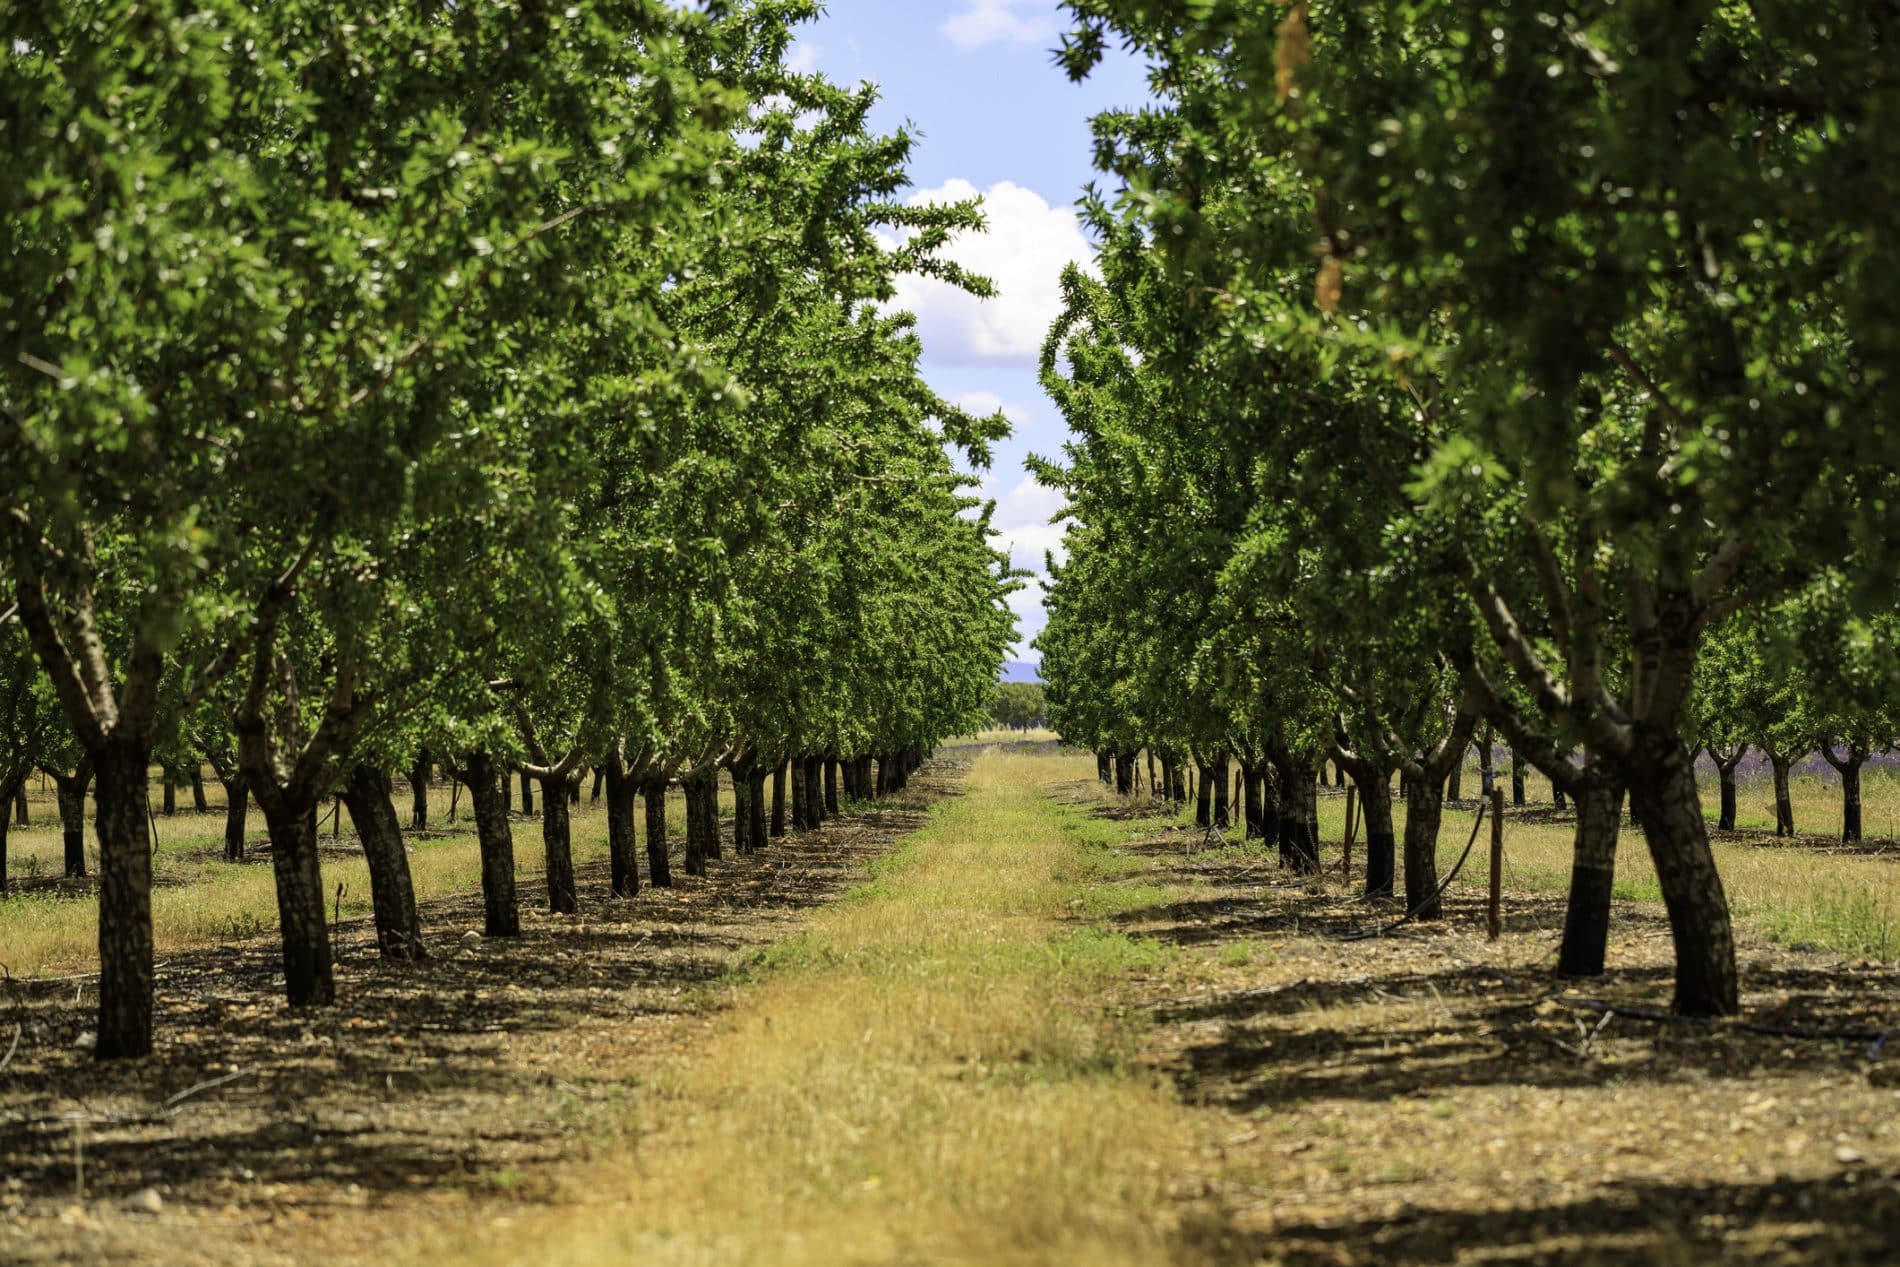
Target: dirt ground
point(1427, 1096)
point(273, 1135)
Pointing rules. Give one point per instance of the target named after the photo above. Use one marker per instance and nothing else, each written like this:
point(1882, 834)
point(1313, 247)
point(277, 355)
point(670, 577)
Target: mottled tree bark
point(1848, 765)
point(557, 843)
point(1297, 806)
point(69, 791)
point(778, 799)
point(659, 867)
point(1781, 762)
point(1599, 797)
point(756, 821)
point(623, 858)
point(815, 791)
point(698, 828)
point(1424, 810)
point(291, 820)
point(1725, 767)
point(125, 900)
point(1250, 797)
point(392, 895)
point(237, 812)
point(419, 791)
point(1375, 811)
point(801, 812)
point(1222, 771)
point(487, 783)
point(1666, 803)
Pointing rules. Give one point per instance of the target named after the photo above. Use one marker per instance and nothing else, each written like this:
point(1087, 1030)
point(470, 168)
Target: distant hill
point(1020, 671)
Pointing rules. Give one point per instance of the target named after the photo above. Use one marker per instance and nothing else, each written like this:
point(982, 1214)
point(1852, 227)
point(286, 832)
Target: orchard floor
point(1045, 1028)
point(470, 1082)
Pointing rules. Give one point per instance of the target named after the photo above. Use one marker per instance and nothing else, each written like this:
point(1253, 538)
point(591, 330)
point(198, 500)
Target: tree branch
point(263, 618)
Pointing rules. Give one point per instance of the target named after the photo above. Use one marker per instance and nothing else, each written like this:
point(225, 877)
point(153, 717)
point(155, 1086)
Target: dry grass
point(200, 900)
point(1795, 894)
point(925, 1075)
point(1806, 892)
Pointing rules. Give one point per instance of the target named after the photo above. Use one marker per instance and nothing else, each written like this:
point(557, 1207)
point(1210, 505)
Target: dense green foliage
point(1484, 359)
point(1018, 705)
point(509, 383)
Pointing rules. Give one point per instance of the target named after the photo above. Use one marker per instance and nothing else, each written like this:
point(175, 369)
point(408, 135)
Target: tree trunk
point(659, 868)
point(419, 792)
point(507, 794)
point(1486, 774)
point(198, 801)
point(1666, 803)
point(814, 791)
point(1850, 801)
point(1124, 774)
point(1297, 805)
point(125, 900)
point(778, 799)
point(392, 895)
point(237, 812)
point(831, 786)
point(741, 810)
point(8, 791)
point(1517, 778)
point(1454, 783)
point(697, 828)
point(70, 790)
point(1784, 804)
point(756, 821)
point(1250, 798)
point(715, 847)
point(623, 857)
point(1204, 800)
point(801, 814)
point(1424, 810)
point(1848, 767)
point(1375, 810)
point(309, 980)
point(1222, 789)
point(1725, 776)
point(19, 807)
point(1599, 797)
point(1103, 770)
point(169, 804)
point(488, 785)
point(1557, 796)
point(557, 845)
point(527, 793)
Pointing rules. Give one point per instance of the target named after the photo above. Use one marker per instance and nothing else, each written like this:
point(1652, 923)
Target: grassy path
point(928, 1073)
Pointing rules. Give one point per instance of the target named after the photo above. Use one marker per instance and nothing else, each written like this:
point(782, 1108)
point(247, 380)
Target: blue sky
point(996, 117)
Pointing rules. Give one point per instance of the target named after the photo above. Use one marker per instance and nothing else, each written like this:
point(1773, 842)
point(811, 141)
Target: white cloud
point(984, 22)
point(803, 58)
point(1027, 246)
point(1024, 522)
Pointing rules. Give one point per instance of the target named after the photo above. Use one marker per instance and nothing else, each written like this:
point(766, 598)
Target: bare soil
point(280, 1135)
point(1427, 1096)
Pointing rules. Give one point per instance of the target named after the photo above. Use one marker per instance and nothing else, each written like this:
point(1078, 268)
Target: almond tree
point(1611, 310)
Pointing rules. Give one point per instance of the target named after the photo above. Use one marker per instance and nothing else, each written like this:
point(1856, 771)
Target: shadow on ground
point(470, 1071)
